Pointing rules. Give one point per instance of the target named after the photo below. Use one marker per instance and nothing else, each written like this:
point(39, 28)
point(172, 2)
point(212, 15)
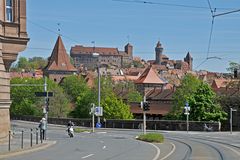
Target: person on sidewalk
point(43, 127)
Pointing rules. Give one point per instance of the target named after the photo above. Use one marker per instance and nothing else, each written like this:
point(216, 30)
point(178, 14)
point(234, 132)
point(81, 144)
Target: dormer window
point(9, 10)
point(63, 64)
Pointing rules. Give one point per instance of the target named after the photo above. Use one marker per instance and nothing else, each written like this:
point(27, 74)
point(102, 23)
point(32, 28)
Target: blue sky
point(109, 23)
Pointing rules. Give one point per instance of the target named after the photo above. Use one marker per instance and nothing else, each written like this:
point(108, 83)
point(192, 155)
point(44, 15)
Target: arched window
point(9, 10)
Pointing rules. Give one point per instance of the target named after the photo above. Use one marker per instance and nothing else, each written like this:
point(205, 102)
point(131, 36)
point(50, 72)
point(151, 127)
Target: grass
point(151, 137)
point(79, 130)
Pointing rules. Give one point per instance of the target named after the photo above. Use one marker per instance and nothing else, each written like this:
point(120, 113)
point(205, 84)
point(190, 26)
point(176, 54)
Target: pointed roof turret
point(159, 45)
point(149, 76)
point(188, 56)
point(59, 60)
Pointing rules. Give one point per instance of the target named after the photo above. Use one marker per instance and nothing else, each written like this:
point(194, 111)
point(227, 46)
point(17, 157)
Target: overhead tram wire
point(168, 4)
point(52, 31)
point(210, 37)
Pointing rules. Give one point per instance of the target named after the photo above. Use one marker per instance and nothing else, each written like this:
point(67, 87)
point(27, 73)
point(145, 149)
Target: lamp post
point(99, 87)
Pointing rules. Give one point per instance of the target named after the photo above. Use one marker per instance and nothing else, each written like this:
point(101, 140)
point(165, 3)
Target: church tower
point(189, 60)
point(158, 51)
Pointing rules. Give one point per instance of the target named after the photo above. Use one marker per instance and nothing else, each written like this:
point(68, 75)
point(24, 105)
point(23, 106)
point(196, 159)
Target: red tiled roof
point(79, 49)
point(149, 76)
point(59, 59)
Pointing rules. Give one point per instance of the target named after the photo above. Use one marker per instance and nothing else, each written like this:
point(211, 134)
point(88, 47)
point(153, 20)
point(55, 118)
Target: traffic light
point(146, 106)
point(47, 104)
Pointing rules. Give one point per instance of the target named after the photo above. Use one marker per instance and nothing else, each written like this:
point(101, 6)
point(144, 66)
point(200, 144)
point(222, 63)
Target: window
point(9, 10)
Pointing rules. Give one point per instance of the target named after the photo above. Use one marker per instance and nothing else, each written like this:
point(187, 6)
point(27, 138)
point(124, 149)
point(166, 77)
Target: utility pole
point(93, 113)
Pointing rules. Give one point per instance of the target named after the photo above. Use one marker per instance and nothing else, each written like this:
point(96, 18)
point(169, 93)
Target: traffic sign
point(44, 94)
point(99, 111)
point(98, 125)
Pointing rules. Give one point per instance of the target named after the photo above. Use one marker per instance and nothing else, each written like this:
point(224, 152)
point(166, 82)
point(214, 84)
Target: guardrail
point(129, 124)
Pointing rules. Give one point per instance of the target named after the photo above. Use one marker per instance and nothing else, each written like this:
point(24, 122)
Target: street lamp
point(96, 55)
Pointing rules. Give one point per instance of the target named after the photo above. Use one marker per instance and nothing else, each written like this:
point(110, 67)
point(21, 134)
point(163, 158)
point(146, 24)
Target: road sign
point(44, 94)
point(98, 111)
point(98, 125)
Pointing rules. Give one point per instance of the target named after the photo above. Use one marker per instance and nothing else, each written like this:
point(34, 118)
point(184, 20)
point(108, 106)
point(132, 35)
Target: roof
point(219, 83)
point(79, 49)
point(149, 77)
point(59, 60)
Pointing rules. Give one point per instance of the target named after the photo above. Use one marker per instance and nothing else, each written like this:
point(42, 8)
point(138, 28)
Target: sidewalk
point(21, 143)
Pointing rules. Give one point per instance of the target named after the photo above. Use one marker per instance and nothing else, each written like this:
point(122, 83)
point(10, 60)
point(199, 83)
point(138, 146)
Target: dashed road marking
point(87, 156)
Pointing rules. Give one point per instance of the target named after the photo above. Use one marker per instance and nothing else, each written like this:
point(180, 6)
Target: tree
point(73, 86)
point(24, 101)
point(113, 108)
point(201, 99)
point(204, 106)
point(188, 86)
point(233, 66)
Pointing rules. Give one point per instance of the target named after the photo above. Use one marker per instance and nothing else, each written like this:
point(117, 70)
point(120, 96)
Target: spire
point(59, 60)
point(159, 45)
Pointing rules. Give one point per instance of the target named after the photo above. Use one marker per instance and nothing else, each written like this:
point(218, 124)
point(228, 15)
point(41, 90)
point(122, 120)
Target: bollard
point(9, 141)
point(36, 135)
point(41, 136)
point(22, 140)
point(31, 136)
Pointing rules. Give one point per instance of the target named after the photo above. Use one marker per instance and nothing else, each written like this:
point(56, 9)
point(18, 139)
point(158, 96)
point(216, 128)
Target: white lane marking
point(173, 149)
point(87, 156)
point(103, 147)
point(158, 152)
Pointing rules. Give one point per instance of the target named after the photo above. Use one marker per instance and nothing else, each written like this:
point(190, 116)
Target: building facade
point(83, 57)
point(13, 39)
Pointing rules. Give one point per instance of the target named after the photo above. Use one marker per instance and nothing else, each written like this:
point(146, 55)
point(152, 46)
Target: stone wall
point(4, 124)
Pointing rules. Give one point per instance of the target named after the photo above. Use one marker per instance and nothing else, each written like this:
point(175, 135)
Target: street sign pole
point(144, 117)
point(187, 109)
point(93, 113)
point(46, 113)
point(231, 110)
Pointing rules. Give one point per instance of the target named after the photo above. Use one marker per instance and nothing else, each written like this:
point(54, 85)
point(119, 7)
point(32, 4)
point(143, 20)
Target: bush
point(151, 137)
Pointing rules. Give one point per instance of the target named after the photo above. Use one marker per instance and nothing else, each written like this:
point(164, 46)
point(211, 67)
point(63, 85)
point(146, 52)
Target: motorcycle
point(70, 131)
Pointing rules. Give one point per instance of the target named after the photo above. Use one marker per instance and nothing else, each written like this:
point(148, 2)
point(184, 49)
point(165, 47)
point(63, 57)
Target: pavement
point(18, 147)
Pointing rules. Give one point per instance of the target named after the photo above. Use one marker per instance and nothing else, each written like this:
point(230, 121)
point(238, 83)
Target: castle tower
point(59, 65)
point(189, 60)
point(129, 49)
point(158, 51)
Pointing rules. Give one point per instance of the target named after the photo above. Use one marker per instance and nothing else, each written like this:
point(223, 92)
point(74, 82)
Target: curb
point(27, 150)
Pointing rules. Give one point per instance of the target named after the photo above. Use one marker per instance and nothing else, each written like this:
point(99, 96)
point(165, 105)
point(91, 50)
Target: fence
point(129, 124)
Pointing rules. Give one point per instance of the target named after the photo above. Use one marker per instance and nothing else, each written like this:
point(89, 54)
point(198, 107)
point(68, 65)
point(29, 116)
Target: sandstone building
point(13, 39)
point(82, 56)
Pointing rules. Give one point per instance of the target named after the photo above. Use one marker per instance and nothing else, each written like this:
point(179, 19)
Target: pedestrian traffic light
point(146, 106)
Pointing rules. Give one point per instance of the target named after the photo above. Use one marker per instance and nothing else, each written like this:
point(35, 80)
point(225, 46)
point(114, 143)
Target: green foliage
point(24, 101)
point(114, 108)
point(23, 97)
point(204, 106)
point(137, 64)
point(201, 99)
point(74, 86)
point(233, 66)
point(30, 64)
point(152, 137)
point(188, 87)
point(79, 130)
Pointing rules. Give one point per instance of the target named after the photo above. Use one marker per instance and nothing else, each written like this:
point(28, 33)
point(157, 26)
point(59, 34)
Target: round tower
point(158, 51)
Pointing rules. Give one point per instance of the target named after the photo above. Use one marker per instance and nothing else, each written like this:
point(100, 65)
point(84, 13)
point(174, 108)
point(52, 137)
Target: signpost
point(187, 109)
point(231, 110)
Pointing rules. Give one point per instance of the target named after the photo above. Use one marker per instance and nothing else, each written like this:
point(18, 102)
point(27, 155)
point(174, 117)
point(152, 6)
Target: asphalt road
point(121, 145)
